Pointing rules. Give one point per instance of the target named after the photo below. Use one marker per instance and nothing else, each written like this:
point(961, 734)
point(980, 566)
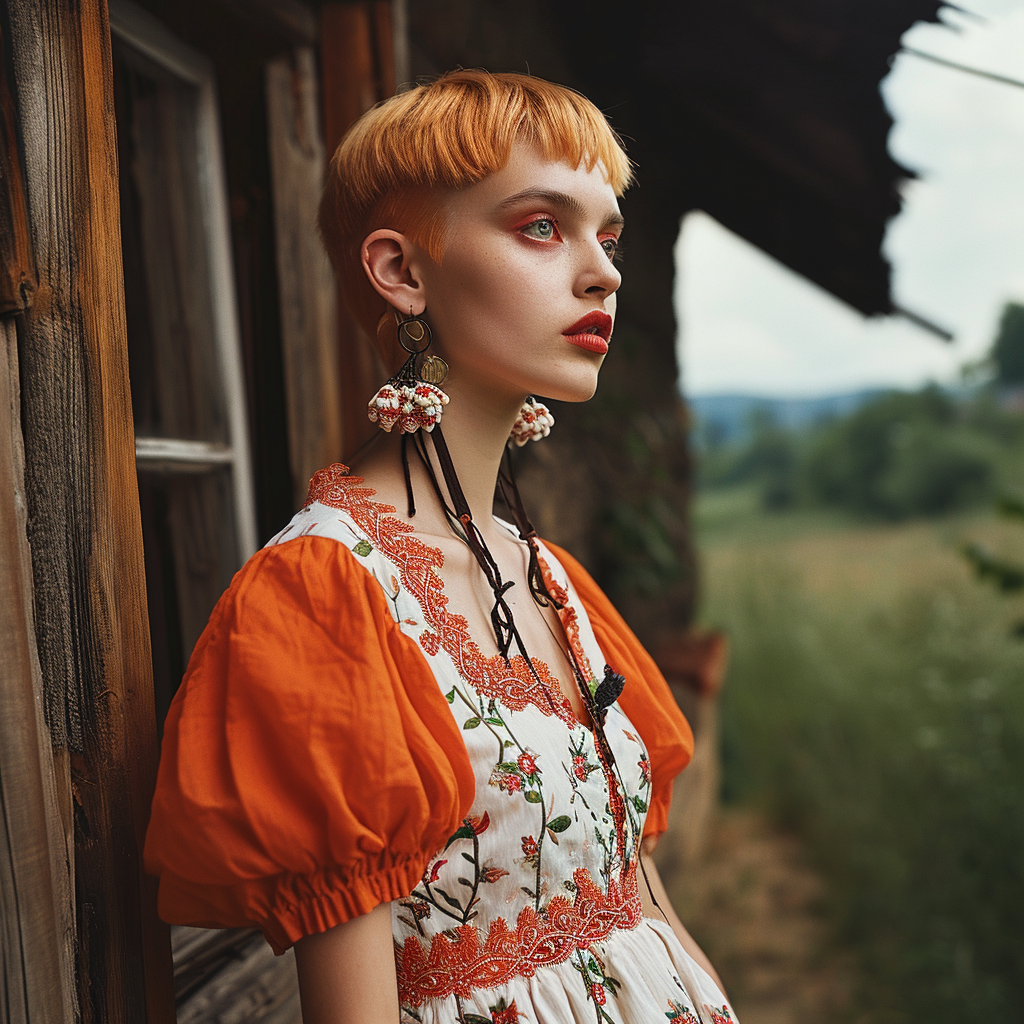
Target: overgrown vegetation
point(876, 705)
point(875, 702)
point(900, 455)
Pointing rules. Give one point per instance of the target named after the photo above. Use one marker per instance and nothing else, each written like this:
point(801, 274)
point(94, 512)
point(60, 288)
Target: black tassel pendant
point(609, 689)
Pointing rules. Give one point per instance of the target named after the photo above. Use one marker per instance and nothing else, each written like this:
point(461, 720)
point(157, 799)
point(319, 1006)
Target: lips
point(591, 332)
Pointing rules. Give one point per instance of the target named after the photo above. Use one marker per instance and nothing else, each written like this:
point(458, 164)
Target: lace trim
point(510, 682)
point(457, 966)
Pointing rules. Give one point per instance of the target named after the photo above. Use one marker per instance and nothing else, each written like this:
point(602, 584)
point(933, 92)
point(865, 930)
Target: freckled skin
point(508, 286)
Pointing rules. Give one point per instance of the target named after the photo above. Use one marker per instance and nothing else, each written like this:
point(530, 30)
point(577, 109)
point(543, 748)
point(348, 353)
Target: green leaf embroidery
point(494, 721)
point(560, 824)
point(451, 901)
point(450, 696)
point(362, 548)
point(471, 723)
point(466, 882)
point(509, 766)
point(469, 856)
point(462, 832)
point(532, 797)
point(639, 804)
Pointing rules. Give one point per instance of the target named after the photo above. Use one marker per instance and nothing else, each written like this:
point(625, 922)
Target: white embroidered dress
point(531, 911)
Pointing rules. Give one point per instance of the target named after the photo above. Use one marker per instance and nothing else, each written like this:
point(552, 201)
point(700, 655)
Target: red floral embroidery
point(719, 1014)
point(478, 823)
point(510, 682)
point(539, 940)
point(679, 1014)
point(529, 846)
point(527, 764)
point(507, 782)
point(597, 991)
point(570, 623)
point(502, 1014)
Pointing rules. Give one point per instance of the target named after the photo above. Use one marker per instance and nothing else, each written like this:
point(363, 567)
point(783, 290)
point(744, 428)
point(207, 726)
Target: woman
point(398, 745)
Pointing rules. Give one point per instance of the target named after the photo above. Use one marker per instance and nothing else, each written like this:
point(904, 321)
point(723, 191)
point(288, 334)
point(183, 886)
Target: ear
point(391, 262)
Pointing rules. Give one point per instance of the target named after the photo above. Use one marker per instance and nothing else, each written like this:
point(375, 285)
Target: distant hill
point(728, 416)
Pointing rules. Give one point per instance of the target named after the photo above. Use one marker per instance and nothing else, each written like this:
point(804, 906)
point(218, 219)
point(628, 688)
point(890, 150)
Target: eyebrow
point(559, 199)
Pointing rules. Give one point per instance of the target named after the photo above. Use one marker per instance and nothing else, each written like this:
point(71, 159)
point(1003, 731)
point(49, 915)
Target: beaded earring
point(533, 422)
point(412, 398)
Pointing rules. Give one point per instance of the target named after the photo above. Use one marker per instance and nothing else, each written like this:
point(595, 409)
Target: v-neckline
point(417, 564)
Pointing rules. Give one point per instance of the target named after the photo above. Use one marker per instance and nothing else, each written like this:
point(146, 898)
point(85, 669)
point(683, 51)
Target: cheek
point(498, 288)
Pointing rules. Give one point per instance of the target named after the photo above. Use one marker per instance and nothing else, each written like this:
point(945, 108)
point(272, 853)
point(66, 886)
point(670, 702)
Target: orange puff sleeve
point(646, 698)
point(310, 766)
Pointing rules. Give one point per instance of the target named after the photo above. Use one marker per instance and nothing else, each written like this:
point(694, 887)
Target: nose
point(597, 276)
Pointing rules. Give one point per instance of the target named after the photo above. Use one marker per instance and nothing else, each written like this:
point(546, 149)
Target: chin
point(576, 387)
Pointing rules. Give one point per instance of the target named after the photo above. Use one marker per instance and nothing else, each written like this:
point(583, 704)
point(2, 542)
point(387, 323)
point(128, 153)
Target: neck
point(476, 426)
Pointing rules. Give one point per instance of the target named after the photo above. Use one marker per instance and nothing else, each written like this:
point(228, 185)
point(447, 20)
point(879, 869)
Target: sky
point(748, 325)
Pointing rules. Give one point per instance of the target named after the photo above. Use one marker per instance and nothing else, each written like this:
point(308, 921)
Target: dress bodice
point(542, 872)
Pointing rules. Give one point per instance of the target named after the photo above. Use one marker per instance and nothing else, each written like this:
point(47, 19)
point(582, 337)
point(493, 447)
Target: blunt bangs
point(397, 162)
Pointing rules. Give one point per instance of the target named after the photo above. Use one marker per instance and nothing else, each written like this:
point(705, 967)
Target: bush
point(891, 735)
point(901, 455)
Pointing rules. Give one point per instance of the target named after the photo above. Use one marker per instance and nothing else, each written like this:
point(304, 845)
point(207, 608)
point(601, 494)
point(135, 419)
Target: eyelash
point(614, 255)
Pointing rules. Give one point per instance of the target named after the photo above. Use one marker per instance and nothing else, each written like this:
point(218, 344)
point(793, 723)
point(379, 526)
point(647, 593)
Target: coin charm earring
point(533, 422)
point(412, 398)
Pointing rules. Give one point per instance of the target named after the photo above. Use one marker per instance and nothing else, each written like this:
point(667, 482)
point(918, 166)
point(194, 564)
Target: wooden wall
point(80, 936)
point(357, 61)
point(94, 688)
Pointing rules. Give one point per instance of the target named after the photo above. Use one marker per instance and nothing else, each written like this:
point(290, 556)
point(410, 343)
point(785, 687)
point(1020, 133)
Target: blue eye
point(611, 247)
point(542, 229)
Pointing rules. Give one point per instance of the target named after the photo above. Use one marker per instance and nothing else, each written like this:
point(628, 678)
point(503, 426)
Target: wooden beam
point(17, 279)
point(84, 528)
point(350, 68)
point(36, 920)
point(309, 327)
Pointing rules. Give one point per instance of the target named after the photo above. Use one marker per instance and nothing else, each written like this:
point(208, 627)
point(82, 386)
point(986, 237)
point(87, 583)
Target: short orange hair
point(395, 165)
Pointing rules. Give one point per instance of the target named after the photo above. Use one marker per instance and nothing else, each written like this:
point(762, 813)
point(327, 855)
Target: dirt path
point(754, 904)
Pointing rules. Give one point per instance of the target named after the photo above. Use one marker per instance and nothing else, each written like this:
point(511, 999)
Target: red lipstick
point(591, 332)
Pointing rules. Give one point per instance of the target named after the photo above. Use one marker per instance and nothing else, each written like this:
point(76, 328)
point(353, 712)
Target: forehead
point(529, 171)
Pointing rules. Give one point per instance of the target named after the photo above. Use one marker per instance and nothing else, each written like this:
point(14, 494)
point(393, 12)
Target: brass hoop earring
point(414, 335)
point(411, 398)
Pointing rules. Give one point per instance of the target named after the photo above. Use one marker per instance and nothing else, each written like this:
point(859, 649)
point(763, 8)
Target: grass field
point(875, 705)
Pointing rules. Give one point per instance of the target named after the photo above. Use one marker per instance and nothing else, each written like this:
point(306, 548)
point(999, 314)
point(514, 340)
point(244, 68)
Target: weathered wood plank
point(233, 977)
point(307, 295)
point(349, 75)
point(84, 528)
point(36, 961)
point(17, 279)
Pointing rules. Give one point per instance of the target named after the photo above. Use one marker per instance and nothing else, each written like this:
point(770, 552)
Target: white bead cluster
point(411, 406)
point(533, 422)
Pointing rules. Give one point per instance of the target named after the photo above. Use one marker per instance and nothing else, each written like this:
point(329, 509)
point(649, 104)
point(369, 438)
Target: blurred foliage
point(1008, 349)
point(1007, 576)
point(875, 704)
point(902, 454)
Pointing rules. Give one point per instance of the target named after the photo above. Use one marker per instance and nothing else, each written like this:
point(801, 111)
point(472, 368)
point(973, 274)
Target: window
point(188, 394)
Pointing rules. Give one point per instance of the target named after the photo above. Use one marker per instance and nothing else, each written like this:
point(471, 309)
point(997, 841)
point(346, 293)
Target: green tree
point(902, 454)
point(1008, 348)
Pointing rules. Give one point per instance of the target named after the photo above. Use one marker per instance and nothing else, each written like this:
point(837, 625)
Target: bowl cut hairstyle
point(399, 163)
